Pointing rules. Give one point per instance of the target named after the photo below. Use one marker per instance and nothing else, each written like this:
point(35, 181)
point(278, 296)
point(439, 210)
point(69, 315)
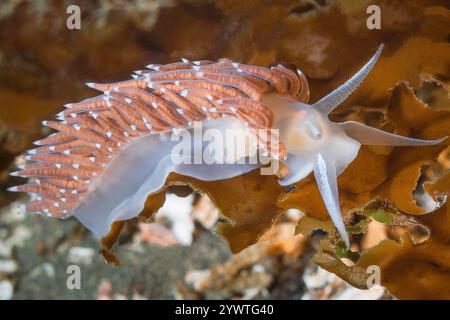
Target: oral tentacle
point(299, 168)
point(326, 179)
point(372, 136)
point(335, 98)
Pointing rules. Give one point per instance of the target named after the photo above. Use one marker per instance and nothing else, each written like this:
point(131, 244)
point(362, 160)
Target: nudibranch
point(111, 151)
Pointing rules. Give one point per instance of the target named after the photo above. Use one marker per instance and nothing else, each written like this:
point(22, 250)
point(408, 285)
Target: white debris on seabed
point(81, 255)
point(198, 279)
point(374, 293)
point(324, 285)
point(8, 266)
point(174, 223)
point(6, 290)
point(105, 292)
point(156, 233)
point(5, 249)
point(45, 269)
point(294, 214)
point(205, 212)
point(258, 268)
point(13, 213)
point(178, 210)
point(20, 235)
point(252, 293)
point(15, 237)
point(316, 279)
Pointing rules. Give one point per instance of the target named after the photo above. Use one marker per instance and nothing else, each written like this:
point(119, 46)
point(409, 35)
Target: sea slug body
point(111, 151)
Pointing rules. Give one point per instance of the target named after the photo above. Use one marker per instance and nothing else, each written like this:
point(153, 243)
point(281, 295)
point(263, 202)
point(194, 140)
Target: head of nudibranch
point(316, 144)
point(111, 151)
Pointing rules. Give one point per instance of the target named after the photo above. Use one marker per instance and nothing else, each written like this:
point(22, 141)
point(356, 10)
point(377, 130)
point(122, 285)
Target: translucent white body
point(314, 144)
